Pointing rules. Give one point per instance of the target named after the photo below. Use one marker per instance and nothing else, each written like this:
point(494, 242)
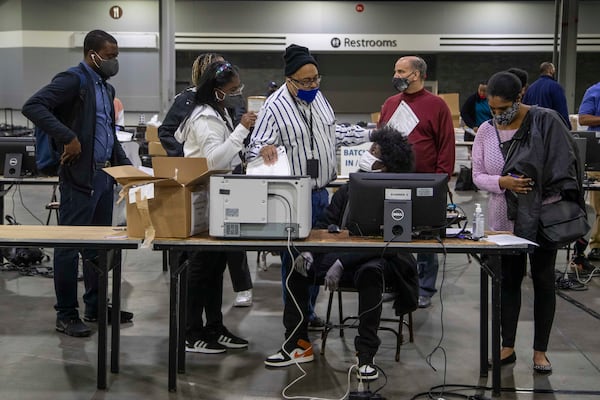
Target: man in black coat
point(390, 152)
point(76, 110)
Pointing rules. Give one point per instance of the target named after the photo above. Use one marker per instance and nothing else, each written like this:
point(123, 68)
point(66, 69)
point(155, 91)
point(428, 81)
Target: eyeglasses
point(308, 82)
point(235, 91)
point(238, 91)
point(222, 68)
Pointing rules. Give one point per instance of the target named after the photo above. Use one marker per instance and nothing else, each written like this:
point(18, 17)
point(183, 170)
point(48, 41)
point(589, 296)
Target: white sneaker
point(243, 299)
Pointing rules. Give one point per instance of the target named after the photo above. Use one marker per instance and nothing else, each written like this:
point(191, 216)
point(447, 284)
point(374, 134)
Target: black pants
point(205, 293)
point(237, 263)
point(542, 262)
point(367, 279)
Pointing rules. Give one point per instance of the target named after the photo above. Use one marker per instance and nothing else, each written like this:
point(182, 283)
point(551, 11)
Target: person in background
point(182, 106)
point(209, 132)
point(390, 152)
point(271, 88)
point(432, 139)
point(475, 111)
point(299, 117)
point(119, 114)
point(589, 115)
point(88, 144)
point(518, 186)
point(523, 78)
point(546, 92)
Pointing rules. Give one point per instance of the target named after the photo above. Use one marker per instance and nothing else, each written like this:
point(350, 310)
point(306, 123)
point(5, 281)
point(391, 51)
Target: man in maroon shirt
point(427, 120)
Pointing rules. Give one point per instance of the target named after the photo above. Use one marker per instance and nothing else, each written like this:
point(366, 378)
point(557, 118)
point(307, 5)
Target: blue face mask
point(307, 95)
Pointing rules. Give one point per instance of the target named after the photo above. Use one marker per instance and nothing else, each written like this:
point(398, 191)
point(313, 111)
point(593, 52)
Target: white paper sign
point(349, 158)
point(404, 119)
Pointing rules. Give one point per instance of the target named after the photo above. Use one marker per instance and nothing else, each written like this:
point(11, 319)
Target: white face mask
point(366, 162)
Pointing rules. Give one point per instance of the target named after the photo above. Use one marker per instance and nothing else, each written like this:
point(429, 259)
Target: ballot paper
point(507, 240)
point(280, 168)
point(404, 119)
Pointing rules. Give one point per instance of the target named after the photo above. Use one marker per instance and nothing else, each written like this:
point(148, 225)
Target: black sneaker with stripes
point(229, 340)
point(196, 345)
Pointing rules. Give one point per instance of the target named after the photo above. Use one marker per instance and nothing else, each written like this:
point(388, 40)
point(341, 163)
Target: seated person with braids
point(390, 152)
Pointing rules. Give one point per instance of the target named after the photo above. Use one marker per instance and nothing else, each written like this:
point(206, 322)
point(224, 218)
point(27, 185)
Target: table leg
point(483, 324)
point(496, 309)
point(173, 320)
point(183, 285)
point(102, 317)
point(115, 342)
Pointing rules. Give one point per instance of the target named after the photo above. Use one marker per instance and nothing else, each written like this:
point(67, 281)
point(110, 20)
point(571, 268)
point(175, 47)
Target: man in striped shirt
point(299, 117)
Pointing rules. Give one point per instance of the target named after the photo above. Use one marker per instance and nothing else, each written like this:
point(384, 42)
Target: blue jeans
point(319, 202)
point(427, 265)
point(78, 208)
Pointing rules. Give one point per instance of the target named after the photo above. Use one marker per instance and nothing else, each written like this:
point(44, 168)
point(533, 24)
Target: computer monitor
point(592, 149)
point(426, 191)
point(24, 145)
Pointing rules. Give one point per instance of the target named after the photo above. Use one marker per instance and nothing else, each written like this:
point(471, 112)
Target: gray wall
point(354, 82)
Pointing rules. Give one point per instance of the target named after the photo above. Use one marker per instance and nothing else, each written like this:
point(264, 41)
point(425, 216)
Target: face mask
point(401, 84)
point(366, 162)
point(506, 117)
point(481, 97)
point(307, 95)
point(227, 100)
point(107, 68)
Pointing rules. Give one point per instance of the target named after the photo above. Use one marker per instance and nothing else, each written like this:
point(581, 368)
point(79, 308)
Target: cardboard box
point(152, 132)
point(171, 204)
point(156, 149)
point(453, 104)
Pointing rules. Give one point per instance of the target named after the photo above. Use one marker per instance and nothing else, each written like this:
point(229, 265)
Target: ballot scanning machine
point(260, 207)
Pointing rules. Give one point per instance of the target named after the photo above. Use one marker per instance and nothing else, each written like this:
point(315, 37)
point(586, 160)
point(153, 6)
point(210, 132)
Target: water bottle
point(478, 222)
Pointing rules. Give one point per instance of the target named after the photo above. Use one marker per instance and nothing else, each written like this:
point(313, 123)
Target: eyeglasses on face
point(308, 82)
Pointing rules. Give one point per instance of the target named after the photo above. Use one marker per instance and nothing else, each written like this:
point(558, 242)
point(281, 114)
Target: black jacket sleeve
point(182, 106)
point(467, 111)
point(53, 100)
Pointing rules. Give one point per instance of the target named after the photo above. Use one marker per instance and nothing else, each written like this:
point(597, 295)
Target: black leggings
point(542, 273)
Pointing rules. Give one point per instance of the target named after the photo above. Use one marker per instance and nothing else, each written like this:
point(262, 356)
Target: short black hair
point(96, 39)
point(216, 75)
point(396, 152)
point(505, 85)
point(521, 74)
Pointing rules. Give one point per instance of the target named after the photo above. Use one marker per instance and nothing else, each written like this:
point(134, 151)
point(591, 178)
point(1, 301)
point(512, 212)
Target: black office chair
point(343, 322)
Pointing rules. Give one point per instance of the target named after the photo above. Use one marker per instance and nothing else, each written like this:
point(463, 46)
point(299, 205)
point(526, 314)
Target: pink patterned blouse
point(487, 169)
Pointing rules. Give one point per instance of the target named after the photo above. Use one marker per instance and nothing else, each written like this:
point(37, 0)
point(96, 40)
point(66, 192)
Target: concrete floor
point(38, 363)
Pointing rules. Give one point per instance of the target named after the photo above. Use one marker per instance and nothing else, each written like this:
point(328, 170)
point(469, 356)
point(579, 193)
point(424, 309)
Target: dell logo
point(397, 214)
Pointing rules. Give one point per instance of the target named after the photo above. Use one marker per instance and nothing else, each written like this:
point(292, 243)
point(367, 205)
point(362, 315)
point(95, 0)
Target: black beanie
point(295, 57)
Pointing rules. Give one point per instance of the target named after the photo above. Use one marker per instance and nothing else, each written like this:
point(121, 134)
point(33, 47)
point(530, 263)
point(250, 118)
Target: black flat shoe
point(543, 369)
point(505, 361)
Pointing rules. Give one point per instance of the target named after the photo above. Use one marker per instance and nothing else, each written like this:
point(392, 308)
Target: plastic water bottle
point(478, 222)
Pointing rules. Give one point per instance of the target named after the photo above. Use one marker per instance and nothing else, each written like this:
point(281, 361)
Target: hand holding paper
point(279, 167)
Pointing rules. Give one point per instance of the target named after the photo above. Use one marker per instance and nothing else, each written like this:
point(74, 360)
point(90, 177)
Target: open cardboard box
point(171, 204)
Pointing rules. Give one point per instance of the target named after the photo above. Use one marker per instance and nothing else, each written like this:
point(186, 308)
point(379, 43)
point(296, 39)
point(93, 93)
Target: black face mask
point(400, 84)
point(106, 68)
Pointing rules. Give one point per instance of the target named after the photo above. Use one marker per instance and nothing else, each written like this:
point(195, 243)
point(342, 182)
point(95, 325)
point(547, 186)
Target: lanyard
point(309, 125)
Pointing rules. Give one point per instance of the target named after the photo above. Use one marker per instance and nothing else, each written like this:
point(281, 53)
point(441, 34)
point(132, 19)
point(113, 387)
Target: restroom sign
point(116, 12)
